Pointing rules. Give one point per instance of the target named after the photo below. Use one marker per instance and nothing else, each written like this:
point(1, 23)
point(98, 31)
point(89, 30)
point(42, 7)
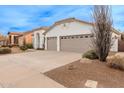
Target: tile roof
point(71, 20)
point(14, 33)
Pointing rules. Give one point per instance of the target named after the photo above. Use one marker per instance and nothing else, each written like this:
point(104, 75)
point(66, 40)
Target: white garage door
point(52, 43)
point(79, 43)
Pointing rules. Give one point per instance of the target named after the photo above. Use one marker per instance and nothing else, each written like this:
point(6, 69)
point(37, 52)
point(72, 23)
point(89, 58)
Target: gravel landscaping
point(77, 74)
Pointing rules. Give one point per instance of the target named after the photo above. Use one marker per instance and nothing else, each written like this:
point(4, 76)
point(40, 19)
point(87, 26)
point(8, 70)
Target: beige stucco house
point(13, 38)
point(72, 35)
point(3, 40)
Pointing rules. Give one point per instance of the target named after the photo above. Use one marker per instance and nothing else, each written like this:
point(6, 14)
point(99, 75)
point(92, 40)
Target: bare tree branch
point(102, 30)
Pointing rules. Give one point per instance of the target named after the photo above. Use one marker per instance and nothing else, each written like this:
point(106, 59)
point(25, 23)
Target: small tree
point(102, 31)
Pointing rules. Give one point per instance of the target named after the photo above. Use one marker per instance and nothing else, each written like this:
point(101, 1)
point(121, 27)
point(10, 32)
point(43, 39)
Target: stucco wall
point(72, 28)
point(115, 38)
point(28, 38)
point(21, 41)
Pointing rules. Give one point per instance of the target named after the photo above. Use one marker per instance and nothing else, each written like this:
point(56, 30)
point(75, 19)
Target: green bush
point(5, 50)
point(91, 54)
point(23, 48)
point(29, 46)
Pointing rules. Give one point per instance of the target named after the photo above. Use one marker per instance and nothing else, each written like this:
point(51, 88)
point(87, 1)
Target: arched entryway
point(38, 40)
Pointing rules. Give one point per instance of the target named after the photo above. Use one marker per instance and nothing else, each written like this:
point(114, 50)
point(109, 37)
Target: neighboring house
point(38, 38)
point(116, 37)
point(121, 43)
point(13, 38)
point(3, 40)
point(74, 35)
point(25, 38)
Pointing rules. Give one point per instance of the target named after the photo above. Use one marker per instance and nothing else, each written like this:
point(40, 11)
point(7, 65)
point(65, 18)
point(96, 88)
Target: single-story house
point(72, 35)
point(25, 38)
point(38, 38)
point(13, 38)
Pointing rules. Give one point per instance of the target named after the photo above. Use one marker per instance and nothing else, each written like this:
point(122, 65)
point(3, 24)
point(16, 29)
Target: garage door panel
point(76, 44)
point(52, 43)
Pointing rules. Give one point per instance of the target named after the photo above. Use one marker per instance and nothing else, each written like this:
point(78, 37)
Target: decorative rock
point(91, 84)
point(71, 67)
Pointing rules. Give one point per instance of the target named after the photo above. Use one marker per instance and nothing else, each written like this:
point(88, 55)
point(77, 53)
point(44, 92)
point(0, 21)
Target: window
point(115, 37)
point(81, 36)
point(72, 37)
point(91, 36)
point(68, 37)
point(65, 37)
point(86, 36)
point(76, 36)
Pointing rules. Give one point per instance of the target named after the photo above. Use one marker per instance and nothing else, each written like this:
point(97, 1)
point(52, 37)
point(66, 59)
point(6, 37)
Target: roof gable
point(68, 21)
point(76, 20)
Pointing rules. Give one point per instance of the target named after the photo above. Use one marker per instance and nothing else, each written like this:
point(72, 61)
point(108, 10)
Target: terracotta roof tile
point(15, 33)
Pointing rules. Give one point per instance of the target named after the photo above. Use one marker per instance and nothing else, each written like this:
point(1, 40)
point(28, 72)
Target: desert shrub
point(5, 50)
point(91, 54)
point(116, 62)
point(23, 48)
point(29, 46)
point(40, 48)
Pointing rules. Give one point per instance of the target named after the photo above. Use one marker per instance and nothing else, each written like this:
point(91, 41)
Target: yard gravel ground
point(80, 72)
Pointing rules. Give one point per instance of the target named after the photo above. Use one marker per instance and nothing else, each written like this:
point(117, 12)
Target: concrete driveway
point(26, 69)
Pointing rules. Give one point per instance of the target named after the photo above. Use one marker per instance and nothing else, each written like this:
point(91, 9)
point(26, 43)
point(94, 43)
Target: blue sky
point(24, 18)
